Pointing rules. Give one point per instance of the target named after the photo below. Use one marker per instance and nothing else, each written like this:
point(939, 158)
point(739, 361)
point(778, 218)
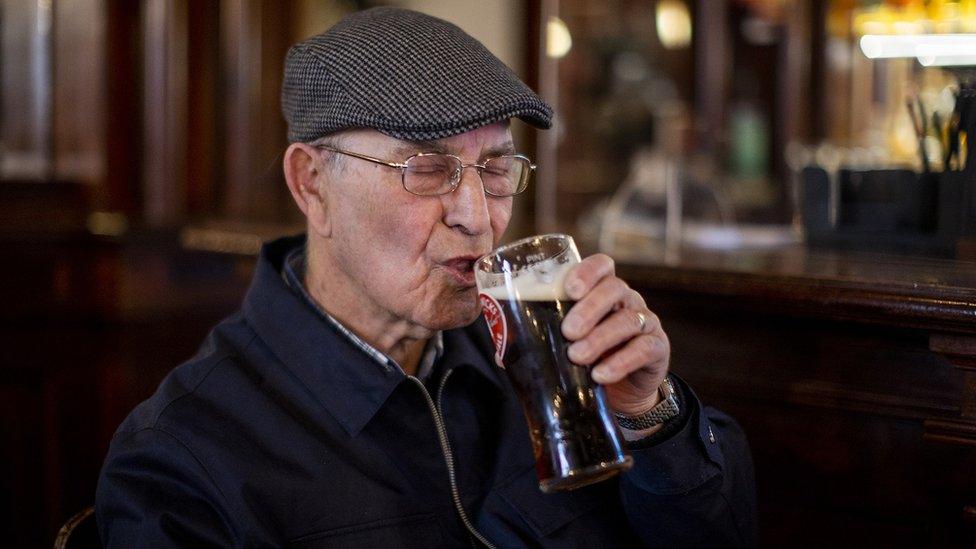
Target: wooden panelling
point(165, 109)
point(123, 76)
point(26, 71)
point(104, 322)
point(855, 395)
point(204, 140)
point(78, 100)
point(253, 47)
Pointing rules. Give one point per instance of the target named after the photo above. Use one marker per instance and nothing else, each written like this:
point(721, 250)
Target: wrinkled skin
point(383, 261)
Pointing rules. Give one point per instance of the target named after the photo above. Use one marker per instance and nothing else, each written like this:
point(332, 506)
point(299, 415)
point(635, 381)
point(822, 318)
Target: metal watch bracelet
point(666, 409)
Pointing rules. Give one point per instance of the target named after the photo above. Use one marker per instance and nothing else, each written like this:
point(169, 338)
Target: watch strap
point(666, 409)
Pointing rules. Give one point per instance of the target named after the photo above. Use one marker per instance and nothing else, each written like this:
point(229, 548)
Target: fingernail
point(600, 374)
point(572, 324)
point(574, 288)
point(578, 350)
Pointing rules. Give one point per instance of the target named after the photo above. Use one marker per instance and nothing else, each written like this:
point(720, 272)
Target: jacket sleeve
point(695, 487)
point(152, 492)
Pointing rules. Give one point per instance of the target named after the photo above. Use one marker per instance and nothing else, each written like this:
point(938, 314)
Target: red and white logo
point(496, 324)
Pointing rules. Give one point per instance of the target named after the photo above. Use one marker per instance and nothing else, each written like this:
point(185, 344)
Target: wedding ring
point(643, 322)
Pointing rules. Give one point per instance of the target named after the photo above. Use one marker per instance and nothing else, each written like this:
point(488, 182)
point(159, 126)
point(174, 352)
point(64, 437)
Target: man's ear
point(303, 177)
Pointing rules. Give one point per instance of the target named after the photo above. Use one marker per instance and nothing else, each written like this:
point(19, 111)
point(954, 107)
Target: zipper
point(435, 411)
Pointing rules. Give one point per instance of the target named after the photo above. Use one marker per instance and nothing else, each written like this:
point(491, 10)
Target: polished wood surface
point(931, 293)
point(852, 375)
point(856, 396)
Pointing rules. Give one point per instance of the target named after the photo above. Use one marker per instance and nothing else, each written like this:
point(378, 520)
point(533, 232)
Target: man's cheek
point(499, 222)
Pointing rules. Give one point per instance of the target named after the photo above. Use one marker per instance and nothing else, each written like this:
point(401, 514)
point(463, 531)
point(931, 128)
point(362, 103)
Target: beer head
point(542, 281)
point(531, 269)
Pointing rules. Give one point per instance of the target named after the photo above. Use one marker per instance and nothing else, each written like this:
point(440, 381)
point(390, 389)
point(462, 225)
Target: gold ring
point(643, 322)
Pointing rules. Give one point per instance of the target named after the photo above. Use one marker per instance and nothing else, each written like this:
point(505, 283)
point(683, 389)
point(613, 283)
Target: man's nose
point(467, 207)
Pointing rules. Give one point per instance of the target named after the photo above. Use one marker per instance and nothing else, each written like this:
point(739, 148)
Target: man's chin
point(464, 313)
point(473, 316)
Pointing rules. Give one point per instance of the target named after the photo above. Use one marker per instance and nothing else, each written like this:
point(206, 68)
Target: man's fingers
point(587, 274)
point(618, 328)
point(609, 294)
point(646, 351)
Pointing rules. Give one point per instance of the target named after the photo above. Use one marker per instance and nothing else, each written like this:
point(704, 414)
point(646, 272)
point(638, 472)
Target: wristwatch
point(666, 409)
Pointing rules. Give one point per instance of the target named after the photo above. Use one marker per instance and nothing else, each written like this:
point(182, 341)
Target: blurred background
point(788, 182)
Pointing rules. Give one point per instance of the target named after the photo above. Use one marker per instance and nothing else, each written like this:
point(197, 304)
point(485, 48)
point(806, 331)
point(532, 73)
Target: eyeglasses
point(431, 174)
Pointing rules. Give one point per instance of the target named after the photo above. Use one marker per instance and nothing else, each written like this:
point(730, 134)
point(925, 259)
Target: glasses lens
point(506, 175)
point(431, 174)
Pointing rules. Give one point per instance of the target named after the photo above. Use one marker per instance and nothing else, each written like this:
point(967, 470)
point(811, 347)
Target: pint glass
point(574, 436)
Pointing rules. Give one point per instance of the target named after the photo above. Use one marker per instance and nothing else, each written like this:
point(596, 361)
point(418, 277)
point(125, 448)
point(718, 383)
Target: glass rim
point(484, 261)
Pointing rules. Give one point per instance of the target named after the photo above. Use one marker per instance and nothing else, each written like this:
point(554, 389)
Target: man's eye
point(430, 165)
point(496, 173)
point(423, 170)
point(499, 167)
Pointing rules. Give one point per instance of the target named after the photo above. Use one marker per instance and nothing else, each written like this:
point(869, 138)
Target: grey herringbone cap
point(406, 74)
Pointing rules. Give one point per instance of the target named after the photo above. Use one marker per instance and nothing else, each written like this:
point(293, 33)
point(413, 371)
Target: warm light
point(876, 20)
point(886, 46)
point(877, 46)
point(107, 223)
point(673, 24)
point(558, 40)
point(955, 55)
point(907, 27)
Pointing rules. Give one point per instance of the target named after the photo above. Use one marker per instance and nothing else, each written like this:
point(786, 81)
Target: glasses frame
point(455, 182)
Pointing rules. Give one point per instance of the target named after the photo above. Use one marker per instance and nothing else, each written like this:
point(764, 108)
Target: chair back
point(80, 532)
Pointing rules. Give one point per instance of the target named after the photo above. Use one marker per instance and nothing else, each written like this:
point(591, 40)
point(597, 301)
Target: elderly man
point(312, 417)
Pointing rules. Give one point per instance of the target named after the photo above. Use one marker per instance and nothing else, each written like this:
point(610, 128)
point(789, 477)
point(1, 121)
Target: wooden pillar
point(255, 38)
point(713, 72)
point(165, 108)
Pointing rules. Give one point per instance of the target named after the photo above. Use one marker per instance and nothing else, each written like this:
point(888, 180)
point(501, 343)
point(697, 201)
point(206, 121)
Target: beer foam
point(543, 282)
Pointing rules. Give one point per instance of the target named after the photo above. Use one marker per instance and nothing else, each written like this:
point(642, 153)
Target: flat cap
point(404, 73)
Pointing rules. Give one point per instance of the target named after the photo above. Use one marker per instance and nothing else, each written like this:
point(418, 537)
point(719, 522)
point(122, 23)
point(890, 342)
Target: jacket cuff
point(670, 426)
point(680, 457)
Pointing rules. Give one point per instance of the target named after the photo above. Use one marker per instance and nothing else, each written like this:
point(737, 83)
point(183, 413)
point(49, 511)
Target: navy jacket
point(281, 432)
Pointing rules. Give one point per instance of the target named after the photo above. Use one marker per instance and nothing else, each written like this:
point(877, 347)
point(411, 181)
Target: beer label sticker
point(496, 324)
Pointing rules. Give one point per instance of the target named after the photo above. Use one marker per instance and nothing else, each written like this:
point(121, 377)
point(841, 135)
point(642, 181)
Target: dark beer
point(574, 436)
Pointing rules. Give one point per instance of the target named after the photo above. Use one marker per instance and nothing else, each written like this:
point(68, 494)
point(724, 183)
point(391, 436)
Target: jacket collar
point(340, 377)
point(472, 346)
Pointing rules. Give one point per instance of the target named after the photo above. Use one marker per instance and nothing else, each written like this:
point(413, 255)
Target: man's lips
point(462, 267)
point(462, 262)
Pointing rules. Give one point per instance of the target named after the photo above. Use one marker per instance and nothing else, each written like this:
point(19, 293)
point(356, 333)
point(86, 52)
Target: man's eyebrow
point(415, 147)
point(499, 150)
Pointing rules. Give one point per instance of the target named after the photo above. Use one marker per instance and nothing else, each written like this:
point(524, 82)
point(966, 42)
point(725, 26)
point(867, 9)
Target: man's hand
point(606, 328)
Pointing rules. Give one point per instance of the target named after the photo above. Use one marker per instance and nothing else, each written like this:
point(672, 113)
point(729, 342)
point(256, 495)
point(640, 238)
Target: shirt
point(282, 432)
point(294, 273)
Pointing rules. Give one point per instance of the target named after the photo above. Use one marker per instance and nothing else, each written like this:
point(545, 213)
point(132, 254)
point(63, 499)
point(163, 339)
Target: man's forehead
point(496, 139)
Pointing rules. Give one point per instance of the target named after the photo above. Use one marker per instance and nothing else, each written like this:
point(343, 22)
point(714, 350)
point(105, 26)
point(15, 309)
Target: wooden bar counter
point(853, 374)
